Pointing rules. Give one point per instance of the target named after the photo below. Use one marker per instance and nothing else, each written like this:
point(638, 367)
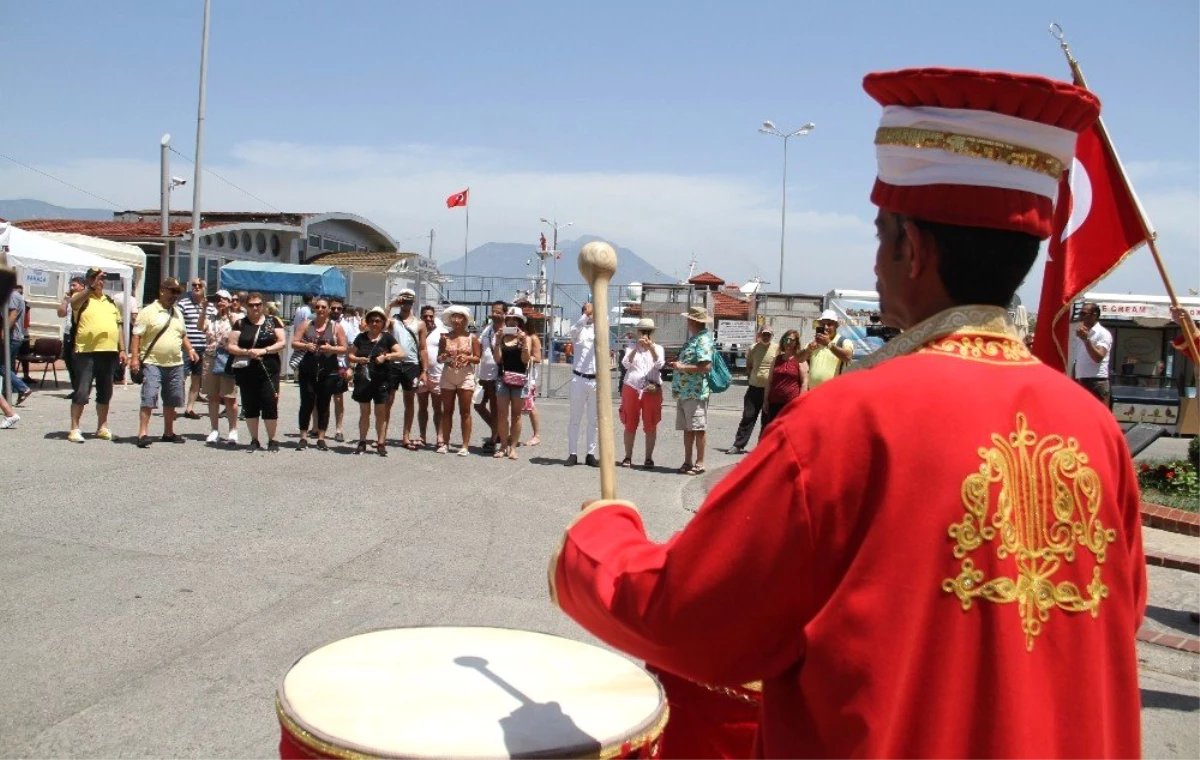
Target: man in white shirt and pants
point(583, 389)
point(1090, 349)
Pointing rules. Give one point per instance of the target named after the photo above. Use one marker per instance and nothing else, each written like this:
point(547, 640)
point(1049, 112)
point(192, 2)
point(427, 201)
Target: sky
point(636, 121)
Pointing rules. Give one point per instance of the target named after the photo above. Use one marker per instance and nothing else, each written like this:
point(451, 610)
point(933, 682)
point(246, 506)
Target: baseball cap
point(171, 284)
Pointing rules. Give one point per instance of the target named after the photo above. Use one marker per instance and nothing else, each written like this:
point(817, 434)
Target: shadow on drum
point(536, 729)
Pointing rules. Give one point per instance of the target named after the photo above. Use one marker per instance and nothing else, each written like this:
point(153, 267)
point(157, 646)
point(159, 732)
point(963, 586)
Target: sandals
point(410, 445)
point(685, 469)
point(462, 452)
point(443, 449)
point(699, 470)
point(627, 462)
point(648, 464)
point(362, 448)
point(512, 453)
point(499, 453)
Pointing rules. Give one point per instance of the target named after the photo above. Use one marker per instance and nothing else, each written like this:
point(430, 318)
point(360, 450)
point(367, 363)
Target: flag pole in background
point(463, 199)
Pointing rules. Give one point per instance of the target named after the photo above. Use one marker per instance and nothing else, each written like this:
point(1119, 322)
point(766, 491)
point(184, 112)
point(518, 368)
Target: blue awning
point(287, 279)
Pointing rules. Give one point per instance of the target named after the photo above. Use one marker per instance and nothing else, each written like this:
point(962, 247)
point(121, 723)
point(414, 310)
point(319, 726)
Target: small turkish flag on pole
point(458, 199)
point(1097, 223)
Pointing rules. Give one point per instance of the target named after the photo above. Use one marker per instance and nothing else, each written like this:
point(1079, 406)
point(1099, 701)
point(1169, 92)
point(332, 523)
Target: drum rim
point(311, 737)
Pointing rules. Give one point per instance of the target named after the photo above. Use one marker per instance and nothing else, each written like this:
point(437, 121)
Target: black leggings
point(771, 412)
point(316, 391)
point(259, 392)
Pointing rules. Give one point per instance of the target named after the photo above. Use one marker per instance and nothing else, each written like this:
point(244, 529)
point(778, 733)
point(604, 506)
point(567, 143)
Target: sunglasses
point(255, 305)
point(197, 284)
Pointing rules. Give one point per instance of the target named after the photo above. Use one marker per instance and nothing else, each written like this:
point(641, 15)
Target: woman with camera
point(369, 355)
point(512, 347)
point(322, 340)
point(459, 353)
point(641, 393)
point(254, 345)
point(789, 377)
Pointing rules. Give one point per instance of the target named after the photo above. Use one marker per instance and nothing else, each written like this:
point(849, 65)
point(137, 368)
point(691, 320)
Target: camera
point(877, 329)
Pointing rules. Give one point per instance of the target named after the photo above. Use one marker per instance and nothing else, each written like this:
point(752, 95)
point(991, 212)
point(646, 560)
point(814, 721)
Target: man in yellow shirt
point(99, 347)
point(160, 342)
point(759, 361)
point(827, 356)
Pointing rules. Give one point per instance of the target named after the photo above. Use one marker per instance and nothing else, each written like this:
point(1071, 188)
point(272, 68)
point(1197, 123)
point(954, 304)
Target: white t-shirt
point(583, 335)
point(487, 363)
point(432, 367)
point(1085, 366)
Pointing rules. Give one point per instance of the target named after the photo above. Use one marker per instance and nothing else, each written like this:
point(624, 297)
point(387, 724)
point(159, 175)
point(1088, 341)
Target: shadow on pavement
point(1180, 620)
point(1166, 700)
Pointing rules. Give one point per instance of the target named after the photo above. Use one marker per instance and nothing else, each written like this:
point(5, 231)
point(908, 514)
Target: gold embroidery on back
point(1045, 511)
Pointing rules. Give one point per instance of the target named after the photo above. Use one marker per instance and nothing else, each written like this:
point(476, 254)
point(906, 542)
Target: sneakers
point(232, 438)
point(273, 447)
point(104, 434)
point(9, 422)
point(339, 438)
point(572, 461)
point(736, 450)
point(302, 444)
point(254, 447)
point(321, 445)
point(213, 437)
point(591, 461)
point(75, 436)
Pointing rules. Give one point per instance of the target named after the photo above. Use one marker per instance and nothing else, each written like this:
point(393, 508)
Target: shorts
point(221, 386)
point(404, 375)
point(376, 391)
point(94, 367)
point(644, 407)
point(512, 393)
point(458, 379)
point(193, 368)
point(691, 415)
point(432, 384)
point(166, 382)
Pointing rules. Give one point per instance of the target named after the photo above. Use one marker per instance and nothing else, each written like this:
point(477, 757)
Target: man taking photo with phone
point(827, 356)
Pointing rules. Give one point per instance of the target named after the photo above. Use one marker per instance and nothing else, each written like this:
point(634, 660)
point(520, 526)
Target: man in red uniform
point(950, 563)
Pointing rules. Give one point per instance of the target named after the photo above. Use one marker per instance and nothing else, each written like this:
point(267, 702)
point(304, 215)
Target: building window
point(275, 245)
point(233, 241)
point(247, 242)
point(314, 241)
point(345, 246)
point(220, 239)
point(207, 240)
point(260, 242)
point(329, 245)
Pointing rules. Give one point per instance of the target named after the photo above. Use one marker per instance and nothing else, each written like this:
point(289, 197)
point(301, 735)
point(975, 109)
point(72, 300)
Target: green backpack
point(719, 377)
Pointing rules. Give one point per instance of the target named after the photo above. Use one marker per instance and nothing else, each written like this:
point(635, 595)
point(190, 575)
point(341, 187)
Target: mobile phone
point(510, 330)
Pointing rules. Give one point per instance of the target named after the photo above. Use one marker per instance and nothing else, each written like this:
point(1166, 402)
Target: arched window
point(260, 242)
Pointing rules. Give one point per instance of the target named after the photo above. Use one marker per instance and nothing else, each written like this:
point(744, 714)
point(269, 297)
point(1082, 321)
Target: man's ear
point(921, 256)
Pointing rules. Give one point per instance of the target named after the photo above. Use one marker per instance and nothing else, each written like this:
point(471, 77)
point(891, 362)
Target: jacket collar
point(974, 319)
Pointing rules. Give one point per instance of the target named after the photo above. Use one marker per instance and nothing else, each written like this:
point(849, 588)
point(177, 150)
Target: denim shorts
point(509, 392)
point(164, 381)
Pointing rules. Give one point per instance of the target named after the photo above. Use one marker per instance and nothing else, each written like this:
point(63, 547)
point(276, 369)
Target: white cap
point(224, 294)
point(830, 315)
point(406, 292)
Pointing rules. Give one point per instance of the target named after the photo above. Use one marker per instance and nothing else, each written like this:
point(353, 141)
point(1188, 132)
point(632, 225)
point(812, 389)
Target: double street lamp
point(768, 128)
point(551, 328)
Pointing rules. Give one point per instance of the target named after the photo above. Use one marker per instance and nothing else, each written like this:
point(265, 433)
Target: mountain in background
point(519, 260)
point(27, 208)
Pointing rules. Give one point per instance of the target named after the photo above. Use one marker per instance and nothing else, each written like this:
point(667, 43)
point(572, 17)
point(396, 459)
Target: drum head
point(468, 692)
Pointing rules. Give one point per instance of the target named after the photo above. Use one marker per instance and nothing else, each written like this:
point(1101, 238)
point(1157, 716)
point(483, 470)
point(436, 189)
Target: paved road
point(153, 599)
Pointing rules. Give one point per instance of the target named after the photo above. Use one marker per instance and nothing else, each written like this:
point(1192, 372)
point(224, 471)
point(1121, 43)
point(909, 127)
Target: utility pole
point(194, 259)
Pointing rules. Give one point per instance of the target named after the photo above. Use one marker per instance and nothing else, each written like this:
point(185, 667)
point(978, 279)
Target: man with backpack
point(690, 386)
point(99, 347)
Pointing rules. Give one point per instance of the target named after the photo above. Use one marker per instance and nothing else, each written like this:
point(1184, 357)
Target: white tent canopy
point(123, 253)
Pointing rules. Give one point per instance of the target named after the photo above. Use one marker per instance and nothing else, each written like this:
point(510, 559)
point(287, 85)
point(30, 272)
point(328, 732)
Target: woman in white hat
point(369, 355)
point(641, 393)
point(458, 352)
point(512, 348)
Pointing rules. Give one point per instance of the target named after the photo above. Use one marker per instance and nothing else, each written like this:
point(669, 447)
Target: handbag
point(140, 375)
point(514, 379)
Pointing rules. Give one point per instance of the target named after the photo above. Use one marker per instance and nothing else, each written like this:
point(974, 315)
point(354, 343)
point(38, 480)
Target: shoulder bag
point(242, 362)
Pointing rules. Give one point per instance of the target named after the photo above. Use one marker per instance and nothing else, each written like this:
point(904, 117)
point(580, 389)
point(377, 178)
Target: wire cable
point(117, 206)
point(227, 182)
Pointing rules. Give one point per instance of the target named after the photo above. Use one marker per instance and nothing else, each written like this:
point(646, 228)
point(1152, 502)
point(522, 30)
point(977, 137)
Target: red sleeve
point(725, 600)
point(1130, 503)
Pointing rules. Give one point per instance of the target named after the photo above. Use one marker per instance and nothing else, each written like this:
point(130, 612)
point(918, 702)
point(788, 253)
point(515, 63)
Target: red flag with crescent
point(458, 199)
point(1097, 223)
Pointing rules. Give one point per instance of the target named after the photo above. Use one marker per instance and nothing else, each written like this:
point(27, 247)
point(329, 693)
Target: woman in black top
point(322, 340)
point(512, 348)
point(258, 340)
point(369, 355)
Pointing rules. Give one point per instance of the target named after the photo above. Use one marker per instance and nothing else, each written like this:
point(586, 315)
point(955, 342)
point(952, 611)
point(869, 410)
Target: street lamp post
point(549, 342)
point(768, 128)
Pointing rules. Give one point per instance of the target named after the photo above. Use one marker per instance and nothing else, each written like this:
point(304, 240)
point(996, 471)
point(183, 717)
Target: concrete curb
point(1167, 518)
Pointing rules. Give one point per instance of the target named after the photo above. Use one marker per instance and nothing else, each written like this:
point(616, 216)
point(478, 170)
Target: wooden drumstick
point(597, 264)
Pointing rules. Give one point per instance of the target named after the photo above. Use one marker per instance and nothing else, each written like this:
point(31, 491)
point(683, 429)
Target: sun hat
point(376, 310)
point(697, 314)
point(449, 310)
point(514, 312)
point(224, 294)
point(829, 315)
point(645, 323)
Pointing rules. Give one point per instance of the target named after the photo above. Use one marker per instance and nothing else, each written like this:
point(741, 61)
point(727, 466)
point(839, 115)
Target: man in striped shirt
point(196, 313)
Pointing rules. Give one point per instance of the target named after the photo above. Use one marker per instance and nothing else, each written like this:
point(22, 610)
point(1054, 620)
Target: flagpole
point(466, 237)
point(1151, 236)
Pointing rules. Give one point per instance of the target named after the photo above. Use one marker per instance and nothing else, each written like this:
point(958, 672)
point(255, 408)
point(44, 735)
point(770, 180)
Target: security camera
point(177, 181)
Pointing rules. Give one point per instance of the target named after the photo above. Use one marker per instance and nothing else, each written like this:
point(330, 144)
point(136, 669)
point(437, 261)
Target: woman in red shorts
point(641, 393)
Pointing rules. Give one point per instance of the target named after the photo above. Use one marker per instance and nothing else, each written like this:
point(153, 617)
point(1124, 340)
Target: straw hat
point(450, 310)
point(376, 310)
point(645, 323)
point(697, 314)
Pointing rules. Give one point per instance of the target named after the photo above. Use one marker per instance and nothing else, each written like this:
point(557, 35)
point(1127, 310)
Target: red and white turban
point(975, 148)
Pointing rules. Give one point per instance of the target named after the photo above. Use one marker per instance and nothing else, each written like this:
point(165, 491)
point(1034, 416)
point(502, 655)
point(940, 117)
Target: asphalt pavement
point(153, 599)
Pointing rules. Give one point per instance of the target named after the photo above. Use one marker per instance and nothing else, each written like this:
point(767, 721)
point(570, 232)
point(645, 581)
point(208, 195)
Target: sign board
point(1130, 310)
point(731, 331)
point(34, 278)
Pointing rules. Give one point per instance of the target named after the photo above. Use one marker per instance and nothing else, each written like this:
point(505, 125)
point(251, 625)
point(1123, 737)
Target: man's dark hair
point(307, 299)
point(501, 304)
point(427, 307)
point(980, 265)
point(1089, 307)
point(79, 280)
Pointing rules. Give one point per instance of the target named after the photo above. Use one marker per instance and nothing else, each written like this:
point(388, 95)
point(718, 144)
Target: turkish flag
point(458, 199)
point(1097, 223)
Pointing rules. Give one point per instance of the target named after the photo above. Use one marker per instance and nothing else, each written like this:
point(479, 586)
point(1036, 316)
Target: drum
point(467, 692)
point(709, 721)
